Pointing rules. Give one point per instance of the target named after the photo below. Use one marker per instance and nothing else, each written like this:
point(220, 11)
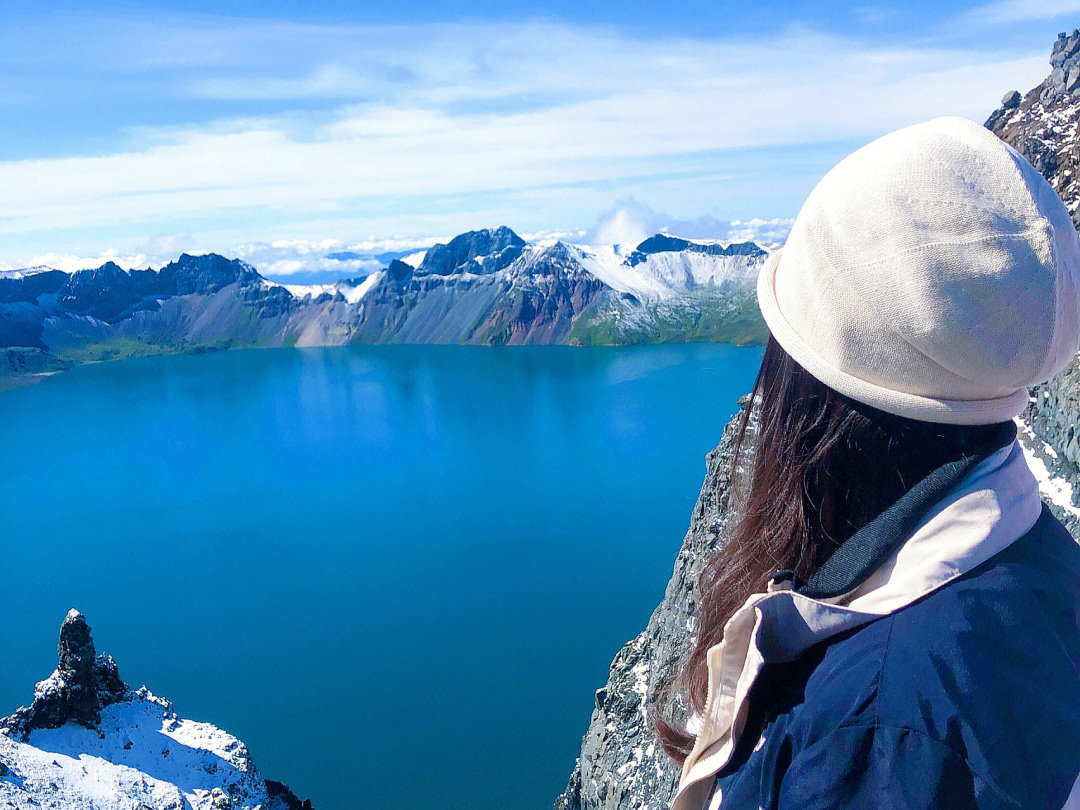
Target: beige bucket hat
point(933, 274)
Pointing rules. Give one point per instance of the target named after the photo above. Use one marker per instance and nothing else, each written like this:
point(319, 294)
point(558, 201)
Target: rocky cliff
point(88, 742)
point(1043, 124)
point(483, 287)
point(620, 766)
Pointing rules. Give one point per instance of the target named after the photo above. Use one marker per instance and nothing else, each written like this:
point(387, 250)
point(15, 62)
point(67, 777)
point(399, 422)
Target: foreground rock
point(1043, 124)
point(88, 742)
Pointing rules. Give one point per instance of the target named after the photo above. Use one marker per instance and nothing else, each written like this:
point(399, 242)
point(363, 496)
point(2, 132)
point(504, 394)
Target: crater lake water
point(398, 573)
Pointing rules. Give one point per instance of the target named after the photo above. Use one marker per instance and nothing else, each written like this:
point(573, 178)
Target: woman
point(895, 619)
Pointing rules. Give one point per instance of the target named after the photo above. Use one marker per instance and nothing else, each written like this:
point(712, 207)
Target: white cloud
point(631, 221)
point(323, 258)
point(442, 126)
point(769, 232)
point(627, 224)
point(69, 262)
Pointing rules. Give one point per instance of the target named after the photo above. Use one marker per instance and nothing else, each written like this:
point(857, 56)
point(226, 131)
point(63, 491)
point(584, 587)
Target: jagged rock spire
point(82, 684)
point(76, 649)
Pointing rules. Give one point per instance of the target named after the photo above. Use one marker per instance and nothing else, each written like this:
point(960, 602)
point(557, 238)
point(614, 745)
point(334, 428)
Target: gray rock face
point(1044, 128)
point(1064, 58)
point(1043, 125)
point(1011, 99)
point(621, 765)
point(485, 251)
point(1054, 416)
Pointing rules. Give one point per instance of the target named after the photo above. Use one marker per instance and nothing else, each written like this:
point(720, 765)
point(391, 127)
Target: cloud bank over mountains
point(630, 222)
point(322, 260)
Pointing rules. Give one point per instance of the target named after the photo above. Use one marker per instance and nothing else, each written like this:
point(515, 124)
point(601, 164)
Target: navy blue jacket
point(966, 698)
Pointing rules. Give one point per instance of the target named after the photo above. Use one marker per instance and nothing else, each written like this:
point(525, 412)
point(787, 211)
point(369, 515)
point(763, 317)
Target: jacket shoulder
point(989, 666)
point(1020, 606)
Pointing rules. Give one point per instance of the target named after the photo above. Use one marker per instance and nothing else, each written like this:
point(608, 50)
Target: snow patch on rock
point(89, 743)
point(1039, 454)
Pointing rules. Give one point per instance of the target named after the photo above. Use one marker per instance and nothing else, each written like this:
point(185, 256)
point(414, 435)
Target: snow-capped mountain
point(88, 742)
point(482, 287)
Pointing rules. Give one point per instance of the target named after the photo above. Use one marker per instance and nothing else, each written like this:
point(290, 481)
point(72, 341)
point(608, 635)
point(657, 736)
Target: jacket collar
point(958, 524)
point(868, 548)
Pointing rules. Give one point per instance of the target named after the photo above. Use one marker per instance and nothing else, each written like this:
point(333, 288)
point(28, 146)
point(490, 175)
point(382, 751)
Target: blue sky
point(278, 131)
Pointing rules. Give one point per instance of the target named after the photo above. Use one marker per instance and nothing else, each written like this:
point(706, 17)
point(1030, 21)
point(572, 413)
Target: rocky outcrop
point(1042, 123)
point(621, 765)
point(82, 684)
point(88, 742)
point(1065, 61)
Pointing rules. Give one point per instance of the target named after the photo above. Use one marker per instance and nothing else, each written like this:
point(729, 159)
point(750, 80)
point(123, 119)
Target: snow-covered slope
point(87, 742)
point(351, 290)
point(23, 272)
point(664, 266)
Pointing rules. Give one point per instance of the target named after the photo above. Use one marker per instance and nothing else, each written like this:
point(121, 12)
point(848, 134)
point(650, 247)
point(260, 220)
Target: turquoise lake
point(398, 573)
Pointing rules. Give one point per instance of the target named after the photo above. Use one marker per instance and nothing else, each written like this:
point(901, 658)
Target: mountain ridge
point(487, 287)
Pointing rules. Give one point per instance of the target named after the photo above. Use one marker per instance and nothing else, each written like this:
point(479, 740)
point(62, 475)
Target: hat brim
point(901, 403)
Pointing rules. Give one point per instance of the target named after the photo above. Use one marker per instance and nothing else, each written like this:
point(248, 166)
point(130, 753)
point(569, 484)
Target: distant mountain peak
point(208, 272)
point(483, 251)
point(664, 243)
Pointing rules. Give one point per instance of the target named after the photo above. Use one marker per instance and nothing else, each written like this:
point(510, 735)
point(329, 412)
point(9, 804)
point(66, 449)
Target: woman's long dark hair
point(811, 466)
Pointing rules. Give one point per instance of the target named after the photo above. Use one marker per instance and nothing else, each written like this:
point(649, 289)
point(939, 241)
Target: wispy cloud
point(419, 128)
point(1005, 12)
